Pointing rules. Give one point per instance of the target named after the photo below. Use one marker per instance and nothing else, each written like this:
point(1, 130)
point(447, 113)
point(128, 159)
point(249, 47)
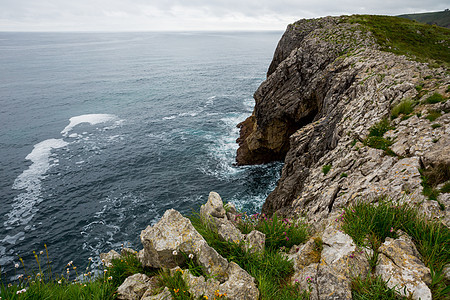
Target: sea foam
point(92, 119)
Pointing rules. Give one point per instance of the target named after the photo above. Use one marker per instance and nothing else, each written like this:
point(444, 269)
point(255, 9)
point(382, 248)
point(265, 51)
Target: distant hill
point(440, 18)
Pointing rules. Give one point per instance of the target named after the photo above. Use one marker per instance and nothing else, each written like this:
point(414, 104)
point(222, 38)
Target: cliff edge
point(352, 119)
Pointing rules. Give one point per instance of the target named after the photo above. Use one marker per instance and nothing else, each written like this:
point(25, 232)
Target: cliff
point(351, 118)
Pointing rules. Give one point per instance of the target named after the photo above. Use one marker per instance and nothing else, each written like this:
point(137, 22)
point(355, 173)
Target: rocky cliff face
point(327, 86)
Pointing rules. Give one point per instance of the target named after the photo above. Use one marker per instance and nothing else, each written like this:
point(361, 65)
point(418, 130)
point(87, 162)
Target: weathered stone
point(108, 257)
point(134, 287)
point(306, 279)
point(304, 255)
point(214, 207)
point(171, 234)
point(400, 266)
point(340, 261)
point(197, 285)
point(164, 295)
point(240, 285)
point(254, 241)
point(228, 232)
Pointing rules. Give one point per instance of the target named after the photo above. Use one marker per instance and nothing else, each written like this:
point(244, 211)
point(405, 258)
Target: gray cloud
point(56, 15)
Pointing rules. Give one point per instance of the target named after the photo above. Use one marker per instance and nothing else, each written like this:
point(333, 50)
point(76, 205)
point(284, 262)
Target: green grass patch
point(326, 169)
point(405, 107)
point(422, 42)
point(446, 187)
point(375, 138)
point(369, 225)
point(177, 287)
point(436, 125)
point(435, 98)
point(271, 269)
point(41, 282)
point(344, 175)
point(372, 288)
point(433, 115)
point(125, 266)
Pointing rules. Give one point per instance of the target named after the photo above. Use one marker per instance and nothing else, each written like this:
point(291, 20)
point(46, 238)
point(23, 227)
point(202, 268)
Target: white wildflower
point(175, 252)
point(42, 252)
point(21, 291)
point(16, 265)
point(191, 256)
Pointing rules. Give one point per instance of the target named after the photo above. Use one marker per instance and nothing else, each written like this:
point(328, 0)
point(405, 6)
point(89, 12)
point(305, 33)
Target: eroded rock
point(400, 266)
point(134, 287)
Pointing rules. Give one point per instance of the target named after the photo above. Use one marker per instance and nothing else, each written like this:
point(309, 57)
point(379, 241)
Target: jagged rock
point(400, 266)
point(213, 207)
point(340, 261)
point(230, 208)
point(316, 108)
point(446, 272)
point(134, 287)
point(174, 233)
point(306, 278)
point(108, 257)
point(254, 241)
point(164, 295)
point(305, 255)
point(171, 234)
point(240, 285)
point(228, 232)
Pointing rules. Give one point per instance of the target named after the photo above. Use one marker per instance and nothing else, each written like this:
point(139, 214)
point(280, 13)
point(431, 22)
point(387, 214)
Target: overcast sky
point(157, 15)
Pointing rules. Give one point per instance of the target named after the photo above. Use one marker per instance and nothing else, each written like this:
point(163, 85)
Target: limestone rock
point(306, 279)
point(134, 287)
point(128, 251)
point(254, 241)
point(108, 257)
point(171, 234)
point(228, 232)
point(164, 295)
point(214, 207)
point(400, 266)
point(340, 261)
point(240, 285)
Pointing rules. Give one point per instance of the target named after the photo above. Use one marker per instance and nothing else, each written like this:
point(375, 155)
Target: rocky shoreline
point(352, 124)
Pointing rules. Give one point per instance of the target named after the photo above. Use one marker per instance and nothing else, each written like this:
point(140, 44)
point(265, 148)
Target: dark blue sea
point(100, 133)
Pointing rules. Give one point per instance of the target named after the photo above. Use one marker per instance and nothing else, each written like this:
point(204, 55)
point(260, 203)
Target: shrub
point(380, 128)
point(435, 98)
point(405, 107)
point(326, 169)
point(434, 126)
point(433, 115)
point(344, 175)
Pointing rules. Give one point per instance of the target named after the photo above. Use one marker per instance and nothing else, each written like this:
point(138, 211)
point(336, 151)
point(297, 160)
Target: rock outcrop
point(328, 84)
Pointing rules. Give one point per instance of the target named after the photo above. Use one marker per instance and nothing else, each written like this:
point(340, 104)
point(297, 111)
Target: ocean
point(100, 133)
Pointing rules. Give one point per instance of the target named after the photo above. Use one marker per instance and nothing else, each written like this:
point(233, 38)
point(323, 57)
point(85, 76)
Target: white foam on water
point(169, 118)
point(92, 119)
point(30, 180)
point(224, 148)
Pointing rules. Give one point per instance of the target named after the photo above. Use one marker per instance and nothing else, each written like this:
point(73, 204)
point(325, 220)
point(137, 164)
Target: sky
point(186, 15)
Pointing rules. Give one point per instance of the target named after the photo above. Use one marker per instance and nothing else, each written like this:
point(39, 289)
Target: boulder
point(400, 266)
point(163, 241)
point(108, 257)
point(340, 261)
point(134, 287)
point(213, 207)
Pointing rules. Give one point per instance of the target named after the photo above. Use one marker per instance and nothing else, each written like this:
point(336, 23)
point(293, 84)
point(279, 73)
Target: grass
point(271, 269)
point(344, 175)
point(422, 42)
point(372, 288)
point(434, 126)
point(375, 138)
point(40, 282)
point(369, 225)
point(435, 98)
point(405, 107)
point(326, 169)
point(433, 115)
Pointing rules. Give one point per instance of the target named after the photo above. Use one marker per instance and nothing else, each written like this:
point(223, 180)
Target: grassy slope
point(421, 42)
point(440, 18)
